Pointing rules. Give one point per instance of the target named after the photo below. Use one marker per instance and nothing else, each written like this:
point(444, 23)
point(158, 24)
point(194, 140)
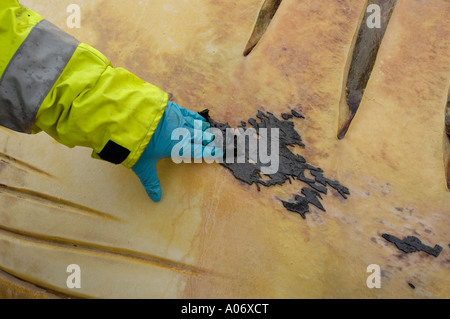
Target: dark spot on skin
point(291, 166)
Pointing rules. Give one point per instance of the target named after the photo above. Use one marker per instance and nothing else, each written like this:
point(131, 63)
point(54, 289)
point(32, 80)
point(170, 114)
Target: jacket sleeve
point(51, 82)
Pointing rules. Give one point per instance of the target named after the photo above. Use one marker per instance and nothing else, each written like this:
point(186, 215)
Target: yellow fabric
point(92, 102)
point(16, 22)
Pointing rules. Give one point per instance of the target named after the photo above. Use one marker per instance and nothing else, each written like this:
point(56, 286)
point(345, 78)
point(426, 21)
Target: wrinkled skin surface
point(211, 236)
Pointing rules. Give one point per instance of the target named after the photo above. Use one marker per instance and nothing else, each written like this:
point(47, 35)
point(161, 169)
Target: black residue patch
point(286, 116)
point(301, 203)
point(298, 115)
point(291, 166)
point(412, 244)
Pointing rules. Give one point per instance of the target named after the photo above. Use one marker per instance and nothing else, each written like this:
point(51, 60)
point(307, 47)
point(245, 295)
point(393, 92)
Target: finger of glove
point(202, 137)
point(192, 114)
point(196, 123)
point(207, 152)
point(212, 152)
point(149, 179)
point(198, 136)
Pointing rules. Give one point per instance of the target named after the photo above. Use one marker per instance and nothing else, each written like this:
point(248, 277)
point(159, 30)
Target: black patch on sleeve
point(114, 153)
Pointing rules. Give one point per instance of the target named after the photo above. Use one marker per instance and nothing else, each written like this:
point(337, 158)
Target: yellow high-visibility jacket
point(51, 82)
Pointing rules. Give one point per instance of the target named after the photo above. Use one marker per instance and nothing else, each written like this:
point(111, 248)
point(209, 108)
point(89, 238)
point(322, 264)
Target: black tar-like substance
point(291, 166)
point(412, 244)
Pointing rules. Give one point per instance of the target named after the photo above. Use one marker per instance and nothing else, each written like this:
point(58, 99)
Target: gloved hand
point(161, 145)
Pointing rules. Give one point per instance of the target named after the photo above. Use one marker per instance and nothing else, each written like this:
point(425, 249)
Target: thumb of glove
point(149, 179)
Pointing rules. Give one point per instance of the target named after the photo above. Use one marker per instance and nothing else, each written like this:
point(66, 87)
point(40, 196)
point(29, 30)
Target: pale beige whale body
point(211, 236)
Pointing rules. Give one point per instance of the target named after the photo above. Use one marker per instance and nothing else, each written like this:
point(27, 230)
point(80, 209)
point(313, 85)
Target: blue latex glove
point(161, 145)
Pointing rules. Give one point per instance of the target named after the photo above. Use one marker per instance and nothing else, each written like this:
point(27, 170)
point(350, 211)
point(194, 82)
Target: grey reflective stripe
point(31, 74)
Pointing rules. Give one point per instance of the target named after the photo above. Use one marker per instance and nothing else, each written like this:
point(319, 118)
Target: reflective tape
point(31, 74)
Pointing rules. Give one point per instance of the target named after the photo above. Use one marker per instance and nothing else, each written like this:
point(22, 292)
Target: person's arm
point(51, 82)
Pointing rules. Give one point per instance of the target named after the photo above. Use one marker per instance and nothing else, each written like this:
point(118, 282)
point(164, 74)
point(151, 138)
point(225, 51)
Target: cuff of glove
point(134, 156)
